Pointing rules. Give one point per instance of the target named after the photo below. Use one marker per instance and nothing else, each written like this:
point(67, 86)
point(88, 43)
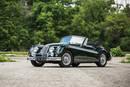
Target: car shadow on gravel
point(77, 67)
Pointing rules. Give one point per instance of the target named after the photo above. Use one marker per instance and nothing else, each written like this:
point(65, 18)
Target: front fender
point(107, 53)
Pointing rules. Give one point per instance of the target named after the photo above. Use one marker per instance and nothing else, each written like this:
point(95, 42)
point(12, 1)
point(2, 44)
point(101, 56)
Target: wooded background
point(24, 23)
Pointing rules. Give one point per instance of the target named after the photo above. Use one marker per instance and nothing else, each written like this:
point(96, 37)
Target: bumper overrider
point(43, 58)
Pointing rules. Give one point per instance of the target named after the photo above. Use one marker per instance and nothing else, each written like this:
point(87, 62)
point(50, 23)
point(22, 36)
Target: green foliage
point(117, 51)
point(10, 25)
point(115, 30)
point(125, 43)
point(4, 58)
point(122, 61)
point(126, 52)
point(51, 21)
point(28, 22)
point(127, 10)
point(11, 52)
point(126, 61)
point(87, 21)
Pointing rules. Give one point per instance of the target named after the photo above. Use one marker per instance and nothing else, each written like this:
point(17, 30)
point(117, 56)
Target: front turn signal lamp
point(56, 55)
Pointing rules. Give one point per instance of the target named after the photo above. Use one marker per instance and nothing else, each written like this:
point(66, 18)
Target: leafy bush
point(4, 58)
point(117, 51)
point(125, 43)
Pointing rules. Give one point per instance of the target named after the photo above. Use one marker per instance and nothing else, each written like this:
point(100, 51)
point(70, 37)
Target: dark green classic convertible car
point(72, 50)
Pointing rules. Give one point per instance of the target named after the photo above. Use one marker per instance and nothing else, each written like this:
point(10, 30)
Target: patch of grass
point(11, 52)
point(122, 61)
point(126, 61)
point(4, 58)
point(126, 52)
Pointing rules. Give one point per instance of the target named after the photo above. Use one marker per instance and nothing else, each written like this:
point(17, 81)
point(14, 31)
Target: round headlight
point(35, 49)
point(51, 49)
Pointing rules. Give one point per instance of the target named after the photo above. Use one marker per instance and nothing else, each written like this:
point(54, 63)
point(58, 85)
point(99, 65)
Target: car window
point(76, 40)
point(73, 40)
point(66, 39)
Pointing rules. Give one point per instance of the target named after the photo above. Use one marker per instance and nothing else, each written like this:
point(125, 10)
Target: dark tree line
point(27, 22)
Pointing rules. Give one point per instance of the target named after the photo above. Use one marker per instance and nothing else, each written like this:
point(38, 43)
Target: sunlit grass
point(126, 61)
point(11, 52)
point(4, 58)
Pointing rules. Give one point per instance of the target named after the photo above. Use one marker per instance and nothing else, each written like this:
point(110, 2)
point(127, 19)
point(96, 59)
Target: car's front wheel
point(37, 63)
point(66, 60)
point(102, 60)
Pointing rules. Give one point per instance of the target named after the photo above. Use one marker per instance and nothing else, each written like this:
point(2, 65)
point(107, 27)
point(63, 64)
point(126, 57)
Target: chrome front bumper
point(45, 59)
point(31, 58)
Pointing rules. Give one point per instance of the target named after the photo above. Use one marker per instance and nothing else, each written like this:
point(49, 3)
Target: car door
point(78, 53)
point(90, 53)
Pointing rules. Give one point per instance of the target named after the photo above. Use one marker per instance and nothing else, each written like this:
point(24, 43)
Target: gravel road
point(23, 74)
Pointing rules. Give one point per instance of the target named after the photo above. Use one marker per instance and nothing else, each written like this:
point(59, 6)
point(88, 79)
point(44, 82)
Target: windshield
point(73, 39)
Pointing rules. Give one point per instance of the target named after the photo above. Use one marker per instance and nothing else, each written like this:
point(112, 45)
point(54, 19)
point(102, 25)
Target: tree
point(87, 21)
point(52, 18)
point(9, 24)
point(29, 22)
point(115, 30)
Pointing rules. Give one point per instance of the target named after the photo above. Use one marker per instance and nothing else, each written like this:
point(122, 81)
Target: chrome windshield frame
point(73, 40)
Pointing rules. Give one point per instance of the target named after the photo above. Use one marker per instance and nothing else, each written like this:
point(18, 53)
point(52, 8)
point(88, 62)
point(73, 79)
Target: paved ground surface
point(23, 74)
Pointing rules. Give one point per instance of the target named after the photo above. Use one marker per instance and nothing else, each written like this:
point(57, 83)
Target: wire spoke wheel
point(102, 60)
point(66, 60)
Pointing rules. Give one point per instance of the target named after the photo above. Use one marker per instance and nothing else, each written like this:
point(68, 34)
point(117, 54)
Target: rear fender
point(108, 55)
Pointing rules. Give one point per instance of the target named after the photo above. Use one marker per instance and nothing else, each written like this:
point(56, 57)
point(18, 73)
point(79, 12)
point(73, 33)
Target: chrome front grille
point(45, 49)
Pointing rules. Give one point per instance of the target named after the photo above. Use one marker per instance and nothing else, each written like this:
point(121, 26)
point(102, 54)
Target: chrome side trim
point(88, 50)
point(53, 59)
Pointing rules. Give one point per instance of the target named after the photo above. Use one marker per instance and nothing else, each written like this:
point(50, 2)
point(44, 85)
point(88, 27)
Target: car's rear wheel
point(37, 63)
point(102, 60)
point(75, 64)
point(66, 60)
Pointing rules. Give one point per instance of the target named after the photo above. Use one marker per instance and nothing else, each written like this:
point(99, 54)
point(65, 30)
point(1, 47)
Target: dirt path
point(23, 74)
